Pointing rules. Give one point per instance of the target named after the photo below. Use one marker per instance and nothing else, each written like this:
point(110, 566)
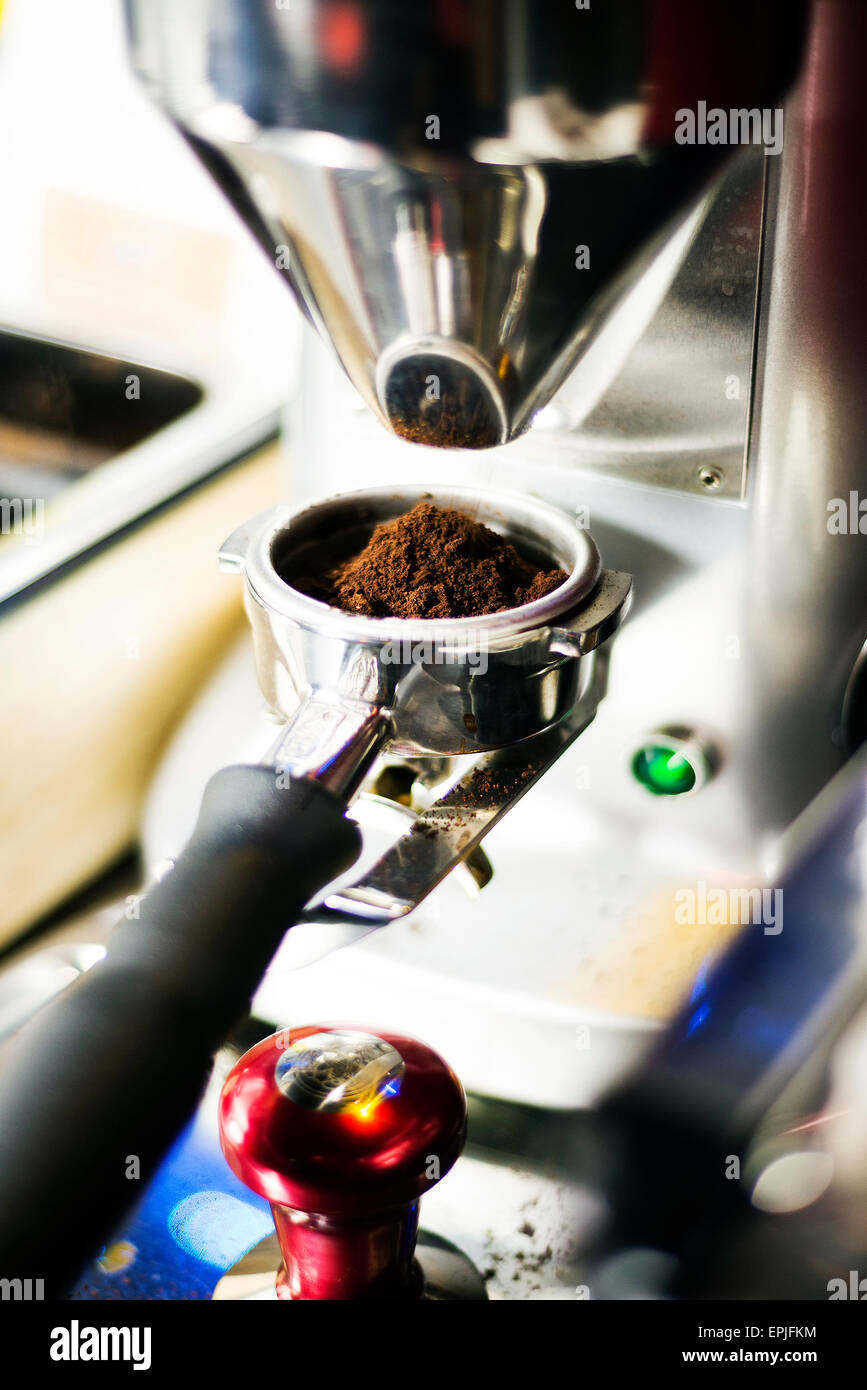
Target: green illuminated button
point(664, 770)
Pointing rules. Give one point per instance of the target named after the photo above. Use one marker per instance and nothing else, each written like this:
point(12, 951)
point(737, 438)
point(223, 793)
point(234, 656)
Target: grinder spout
point(460, 195)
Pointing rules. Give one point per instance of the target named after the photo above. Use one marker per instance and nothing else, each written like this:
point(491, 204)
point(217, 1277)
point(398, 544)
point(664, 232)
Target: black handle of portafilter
point(99, 1084)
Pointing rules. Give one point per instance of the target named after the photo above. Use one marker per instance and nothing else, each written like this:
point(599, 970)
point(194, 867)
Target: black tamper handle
point(97, 1086)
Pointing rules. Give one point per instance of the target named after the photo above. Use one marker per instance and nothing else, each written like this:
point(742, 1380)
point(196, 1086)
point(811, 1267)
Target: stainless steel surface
point(448, 686)
point(459, 205)
point(805, 617)
point(335, 1071)
point(64, 410)
point(853, 721)
point(453, 827)
point(334, 743)
point(69, 434)
point(663, 398)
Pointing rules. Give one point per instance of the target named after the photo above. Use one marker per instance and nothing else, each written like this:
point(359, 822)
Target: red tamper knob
point(343, 1130)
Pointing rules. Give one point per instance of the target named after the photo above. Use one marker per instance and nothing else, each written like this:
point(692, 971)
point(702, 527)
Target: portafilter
point(110, 1071)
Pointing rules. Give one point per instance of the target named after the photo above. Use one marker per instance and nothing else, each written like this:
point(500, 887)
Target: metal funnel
point(459, 194)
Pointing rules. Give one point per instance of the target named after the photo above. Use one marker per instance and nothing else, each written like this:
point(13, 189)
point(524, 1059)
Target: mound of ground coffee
point(432, 563)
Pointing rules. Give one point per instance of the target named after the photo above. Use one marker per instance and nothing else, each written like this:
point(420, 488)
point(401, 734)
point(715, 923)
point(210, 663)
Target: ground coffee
point(432, 562)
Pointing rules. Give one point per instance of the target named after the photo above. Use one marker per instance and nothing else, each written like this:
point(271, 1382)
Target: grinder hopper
point(459, 195)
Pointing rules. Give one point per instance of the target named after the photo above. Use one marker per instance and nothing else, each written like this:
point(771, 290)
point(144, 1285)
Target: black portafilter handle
point(97, 1086)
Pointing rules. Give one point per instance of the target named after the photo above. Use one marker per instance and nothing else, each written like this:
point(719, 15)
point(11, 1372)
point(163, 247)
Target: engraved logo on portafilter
point(339, 1071)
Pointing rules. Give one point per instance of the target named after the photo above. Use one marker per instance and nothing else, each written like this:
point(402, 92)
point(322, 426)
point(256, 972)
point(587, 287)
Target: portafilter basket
point(427, 686)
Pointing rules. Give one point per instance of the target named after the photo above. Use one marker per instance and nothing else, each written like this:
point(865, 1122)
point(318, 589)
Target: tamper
point(343, 1130)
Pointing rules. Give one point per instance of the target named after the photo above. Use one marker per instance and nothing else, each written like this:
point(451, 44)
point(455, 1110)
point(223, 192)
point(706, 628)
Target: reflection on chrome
point(339, 1071)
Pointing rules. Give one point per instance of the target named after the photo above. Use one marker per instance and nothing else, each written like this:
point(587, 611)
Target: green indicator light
point(663, 770)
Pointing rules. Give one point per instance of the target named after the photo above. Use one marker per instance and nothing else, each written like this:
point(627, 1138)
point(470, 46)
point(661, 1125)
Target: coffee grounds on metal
point(432, 562)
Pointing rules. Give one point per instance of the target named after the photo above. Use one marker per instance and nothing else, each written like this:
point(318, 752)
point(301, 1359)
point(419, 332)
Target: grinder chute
point(459, 195)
